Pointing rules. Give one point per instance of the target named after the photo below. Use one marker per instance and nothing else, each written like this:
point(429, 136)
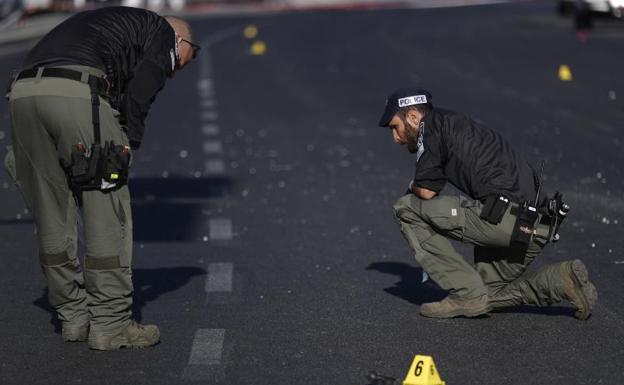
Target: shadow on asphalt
point(170, 209)
point(411, 289)
point(179, 188)
point(149, 285)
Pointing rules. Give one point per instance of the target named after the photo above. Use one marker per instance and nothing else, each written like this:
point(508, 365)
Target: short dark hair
point(424, 109)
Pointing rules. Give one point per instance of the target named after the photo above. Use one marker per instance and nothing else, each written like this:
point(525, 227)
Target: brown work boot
point(452, 306)
point(577, 288)
point(134, 335)
point(75, 333)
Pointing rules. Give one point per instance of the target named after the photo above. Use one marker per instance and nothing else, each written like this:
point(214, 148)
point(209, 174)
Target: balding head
point(184, 40)
point(181, 27)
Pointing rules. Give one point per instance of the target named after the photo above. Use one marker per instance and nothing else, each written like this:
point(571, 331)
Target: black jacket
point(134, 47)
point(474, 158)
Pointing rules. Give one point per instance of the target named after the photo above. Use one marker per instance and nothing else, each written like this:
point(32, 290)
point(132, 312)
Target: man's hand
point(421, 192)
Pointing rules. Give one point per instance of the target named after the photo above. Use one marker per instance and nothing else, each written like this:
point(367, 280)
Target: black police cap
point(403, 97)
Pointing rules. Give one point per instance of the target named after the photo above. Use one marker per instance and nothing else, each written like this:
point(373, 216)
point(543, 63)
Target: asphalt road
point(265, 245)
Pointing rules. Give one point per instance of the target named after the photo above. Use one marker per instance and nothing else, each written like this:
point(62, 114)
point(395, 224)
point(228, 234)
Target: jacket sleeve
point(429, 172)
point(148, 78)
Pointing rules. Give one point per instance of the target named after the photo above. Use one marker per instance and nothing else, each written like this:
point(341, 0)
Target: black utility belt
point(527, 217)
point(496, 207)
point(101, 83)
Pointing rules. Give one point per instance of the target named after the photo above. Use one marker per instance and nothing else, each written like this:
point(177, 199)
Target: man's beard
point(412, 136)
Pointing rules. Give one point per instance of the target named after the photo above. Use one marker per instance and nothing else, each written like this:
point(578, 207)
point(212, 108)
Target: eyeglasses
point(194, 46)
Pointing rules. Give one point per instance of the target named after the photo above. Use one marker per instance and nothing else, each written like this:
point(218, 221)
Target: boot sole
point(583, 289)
point(118, 345)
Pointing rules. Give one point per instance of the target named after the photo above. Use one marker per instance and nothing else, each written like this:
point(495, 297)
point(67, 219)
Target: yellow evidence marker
point(250, 31)
point(423, 372)
point(258, 48)
point(565, 74)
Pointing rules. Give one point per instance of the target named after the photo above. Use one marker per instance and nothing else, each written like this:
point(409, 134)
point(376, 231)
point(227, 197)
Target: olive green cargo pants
point(499, 271)
point(49, 117)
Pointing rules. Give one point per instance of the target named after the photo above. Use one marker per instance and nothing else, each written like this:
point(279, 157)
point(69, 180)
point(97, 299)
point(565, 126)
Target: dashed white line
point(210, 129)
point(219, 277)
point(204, 84)
point(212, 147)
point(205, 361)
point(214, 167)
point(207, 347)
point(220, 229)
point(208, 103)
point(209, 115)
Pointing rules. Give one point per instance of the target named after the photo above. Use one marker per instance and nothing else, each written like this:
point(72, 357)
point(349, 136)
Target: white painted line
point(207, 347)
point(208, 103)
point(219, 277)
point(214, 167)
point(220, 229)
point(206, 95)
point(210, 129)
point(212, 147)
point(209, 115)
point(204, 84)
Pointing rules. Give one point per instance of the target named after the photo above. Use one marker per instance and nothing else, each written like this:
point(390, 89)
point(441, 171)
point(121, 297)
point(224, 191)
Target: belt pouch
point(494, 209)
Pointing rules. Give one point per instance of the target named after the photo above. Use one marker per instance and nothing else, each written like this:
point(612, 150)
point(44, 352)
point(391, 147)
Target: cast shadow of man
point(412, 289)
point(410, 286)
point(149, 285)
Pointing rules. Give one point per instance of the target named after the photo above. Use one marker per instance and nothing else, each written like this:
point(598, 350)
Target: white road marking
point(220, 229)
point(219, 277)
point(209, 115)
point(206, 94)
point(208, 103)
point(214, 167)
point(212, 147)
point(204, 84)
point(207, 347)
point(210, 129)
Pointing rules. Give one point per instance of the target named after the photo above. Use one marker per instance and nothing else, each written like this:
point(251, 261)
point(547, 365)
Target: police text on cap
point(411, 100)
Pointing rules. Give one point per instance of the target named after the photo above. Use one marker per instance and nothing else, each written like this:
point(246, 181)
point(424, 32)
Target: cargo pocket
point(445, 213)
point(123, 211)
